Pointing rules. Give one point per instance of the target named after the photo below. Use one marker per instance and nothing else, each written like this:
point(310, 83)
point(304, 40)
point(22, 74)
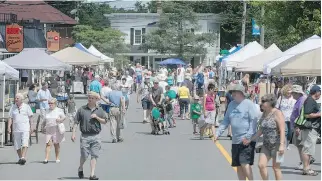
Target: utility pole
point(244, 23)
point(262, 36)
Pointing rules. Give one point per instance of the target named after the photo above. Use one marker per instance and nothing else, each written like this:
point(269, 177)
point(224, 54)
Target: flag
point(255, 28)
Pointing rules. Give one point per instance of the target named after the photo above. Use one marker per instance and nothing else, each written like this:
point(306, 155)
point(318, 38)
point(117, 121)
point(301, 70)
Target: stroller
point(159, 123)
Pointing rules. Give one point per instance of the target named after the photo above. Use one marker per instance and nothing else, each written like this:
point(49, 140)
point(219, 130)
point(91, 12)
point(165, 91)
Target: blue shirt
point(115, 98)
point(243, 120)
point(95, 86)
point(211, 74)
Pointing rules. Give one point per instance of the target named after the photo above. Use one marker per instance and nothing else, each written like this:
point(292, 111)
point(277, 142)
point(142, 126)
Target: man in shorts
point(89, 117)
point(144, 94)
point(306, 135)
point(242, 116)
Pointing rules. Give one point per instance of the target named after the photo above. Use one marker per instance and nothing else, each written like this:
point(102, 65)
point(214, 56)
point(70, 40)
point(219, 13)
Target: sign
point(255, 28)
point(14, 38)
point(53, 41)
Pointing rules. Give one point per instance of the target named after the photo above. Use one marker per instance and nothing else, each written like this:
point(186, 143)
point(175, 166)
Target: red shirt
point(102, 82)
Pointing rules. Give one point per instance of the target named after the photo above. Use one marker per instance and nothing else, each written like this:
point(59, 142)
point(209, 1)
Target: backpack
point(301, 120)
point(200, 79)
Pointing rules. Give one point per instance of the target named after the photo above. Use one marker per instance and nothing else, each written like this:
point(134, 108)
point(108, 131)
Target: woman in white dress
point(54, 132)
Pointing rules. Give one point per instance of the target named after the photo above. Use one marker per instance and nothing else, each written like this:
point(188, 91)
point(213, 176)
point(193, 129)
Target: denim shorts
point(146, 104)
point(139, 79)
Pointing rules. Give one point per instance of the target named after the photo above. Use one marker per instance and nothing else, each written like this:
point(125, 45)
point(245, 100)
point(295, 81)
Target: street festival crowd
point(288, 116)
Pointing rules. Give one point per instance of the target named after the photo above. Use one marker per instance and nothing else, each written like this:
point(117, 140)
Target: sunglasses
point(263, 101)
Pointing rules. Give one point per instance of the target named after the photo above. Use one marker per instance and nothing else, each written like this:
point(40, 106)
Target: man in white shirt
point(104, 93)
point(129, 80)
point(43, 96)
point(162, 81)
point(180, 75)
point(20, 115)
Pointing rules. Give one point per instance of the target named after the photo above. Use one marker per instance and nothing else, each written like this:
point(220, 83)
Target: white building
point(134, 25)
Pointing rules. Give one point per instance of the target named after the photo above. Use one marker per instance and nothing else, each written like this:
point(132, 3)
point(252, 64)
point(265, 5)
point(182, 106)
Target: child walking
point(71, 107)
point(195, 113)
point(209, 110)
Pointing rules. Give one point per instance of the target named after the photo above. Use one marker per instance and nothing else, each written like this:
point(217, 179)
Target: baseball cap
point(315, 89)
point(297, 89)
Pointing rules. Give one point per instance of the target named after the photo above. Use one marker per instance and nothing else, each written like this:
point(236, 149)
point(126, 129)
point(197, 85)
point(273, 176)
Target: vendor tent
point(36, 59)
point(231, 52)
point(6, 72)
point(251, 49)
point(256, 63)
point(97, 53)
point(74, 56)
point(82, 48)
point(304, 64)
point(306, 45)
point(172, 61)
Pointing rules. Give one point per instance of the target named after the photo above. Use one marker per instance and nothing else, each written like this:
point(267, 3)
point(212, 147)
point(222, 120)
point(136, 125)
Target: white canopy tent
point(10, 73)
point(36, 59)
point(74, 56)
point(256, 63)
point(304, 64)
point(305, 46)
point(97, 53)
point(251, 49)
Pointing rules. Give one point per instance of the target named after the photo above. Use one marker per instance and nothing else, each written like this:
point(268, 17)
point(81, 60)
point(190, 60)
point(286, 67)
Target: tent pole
point(3, 102)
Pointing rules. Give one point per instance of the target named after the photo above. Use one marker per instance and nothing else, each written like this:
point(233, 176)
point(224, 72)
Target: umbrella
point(172, 61)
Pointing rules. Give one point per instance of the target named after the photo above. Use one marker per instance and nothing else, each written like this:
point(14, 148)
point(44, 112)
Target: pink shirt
point(210, 103)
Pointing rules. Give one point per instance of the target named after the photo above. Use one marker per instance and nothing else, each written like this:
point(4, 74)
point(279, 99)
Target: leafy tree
point(108, 41)
point(290, 22)
point(173, 36)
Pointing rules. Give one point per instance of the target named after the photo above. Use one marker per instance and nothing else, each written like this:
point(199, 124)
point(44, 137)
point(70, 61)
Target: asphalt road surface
point(179, 156)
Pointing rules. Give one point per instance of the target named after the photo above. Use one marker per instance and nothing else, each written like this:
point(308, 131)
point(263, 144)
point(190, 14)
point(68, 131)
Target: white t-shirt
point(52, 115)
point(180, 76)
point(129, 80)
point(24, 73)
point(163, 84)
point(20, 117)
point(44, 95)
point(104, 92)
point(286, 107)
point(125, 88)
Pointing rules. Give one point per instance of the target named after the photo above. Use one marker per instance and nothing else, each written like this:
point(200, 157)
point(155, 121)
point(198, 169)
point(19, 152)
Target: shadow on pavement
point(71, 178)
point(145, 133)
point(136, 122)
point(316, 164)
point(198, 139)
point(8, 163)
point(42, 162)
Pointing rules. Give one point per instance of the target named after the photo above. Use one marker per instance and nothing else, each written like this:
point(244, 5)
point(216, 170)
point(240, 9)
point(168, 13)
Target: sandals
point(310, 172)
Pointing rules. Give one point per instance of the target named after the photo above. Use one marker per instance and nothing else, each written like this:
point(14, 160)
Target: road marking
point(225, 153)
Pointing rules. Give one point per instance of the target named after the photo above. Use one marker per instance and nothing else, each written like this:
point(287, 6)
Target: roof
point(201, 16)
point(38, 10)
point(74, 56)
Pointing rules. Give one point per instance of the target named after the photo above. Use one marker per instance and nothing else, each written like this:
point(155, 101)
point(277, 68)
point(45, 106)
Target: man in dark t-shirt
point(309, 135)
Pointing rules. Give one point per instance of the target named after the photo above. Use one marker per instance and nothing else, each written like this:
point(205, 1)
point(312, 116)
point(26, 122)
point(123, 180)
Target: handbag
point(61, 128)
point(301, 121)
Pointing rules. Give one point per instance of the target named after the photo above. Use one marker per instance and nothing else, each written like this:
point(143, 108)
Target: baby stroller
point(159, 123)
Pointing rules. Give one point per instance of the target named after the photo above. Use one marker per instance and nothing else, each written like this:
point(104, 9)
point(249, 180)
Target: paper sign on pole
point(14, 38)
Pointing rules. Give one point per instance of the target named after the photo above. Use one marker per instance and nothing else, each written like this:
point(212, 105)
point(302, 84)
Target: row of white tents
point(303, 59)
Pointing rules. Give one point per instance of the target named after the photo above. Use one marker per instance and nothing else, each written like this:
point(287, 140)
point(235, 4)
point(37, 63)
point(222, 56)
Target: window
point(137, 37)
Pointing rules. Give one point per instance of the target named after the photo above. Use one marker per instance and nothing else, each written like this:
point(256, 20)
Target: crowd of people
point(166, 95)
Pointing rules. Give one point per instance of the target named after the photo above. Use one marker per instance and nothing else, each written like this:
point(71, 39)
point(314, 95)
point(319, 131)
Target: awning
point(74, 56)
point(97, 53)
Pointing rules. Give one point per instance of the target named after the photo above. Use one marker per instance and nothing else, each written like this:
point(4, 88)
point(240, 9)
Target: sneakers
point(310, 172)
point(300, 166)
point(93, 177)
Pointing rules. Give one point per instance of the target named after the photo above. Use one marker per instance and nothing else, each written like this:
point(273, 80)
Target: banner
point(53, 41)
point(14, 38)
point(255, 28)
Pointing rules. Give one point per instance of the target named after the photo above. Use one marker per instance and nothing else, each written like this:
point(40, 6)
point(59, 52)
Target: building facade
point(135, 25)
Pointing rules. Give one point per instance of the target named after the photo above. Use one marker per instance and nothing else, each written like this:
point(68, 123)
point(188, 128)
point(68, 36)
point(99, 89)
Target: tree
point(175, 33)
point(107, 40)
point(290, 22)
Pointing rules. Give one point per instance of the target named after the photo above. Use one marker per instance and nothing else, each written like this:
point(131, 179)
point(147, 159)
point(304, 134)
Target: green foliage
point(174, 33)
point(108, 41)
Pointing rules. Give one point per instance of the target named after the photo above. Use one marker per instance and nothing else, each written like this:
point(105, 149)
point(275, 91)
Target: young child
point(71, 107)
point(209, 110)
point(171, 94)
point(169, 111)
point(195, 113)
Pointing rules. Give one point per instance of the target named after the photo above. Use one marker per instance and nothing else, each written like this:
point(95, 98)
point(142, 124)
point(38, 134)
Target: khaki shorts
point(306, 141)
point(270, 153)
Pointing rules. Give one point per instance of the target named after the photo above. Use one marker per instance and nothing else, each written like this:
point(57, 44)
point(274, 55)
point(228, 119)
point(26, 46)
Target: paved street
point(179, 156)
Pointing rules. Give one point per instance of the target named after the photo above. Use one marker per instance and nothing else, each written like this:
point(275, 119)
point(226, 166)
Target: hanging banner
point(53, 41)
point(255, 28)
point(14, 38)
